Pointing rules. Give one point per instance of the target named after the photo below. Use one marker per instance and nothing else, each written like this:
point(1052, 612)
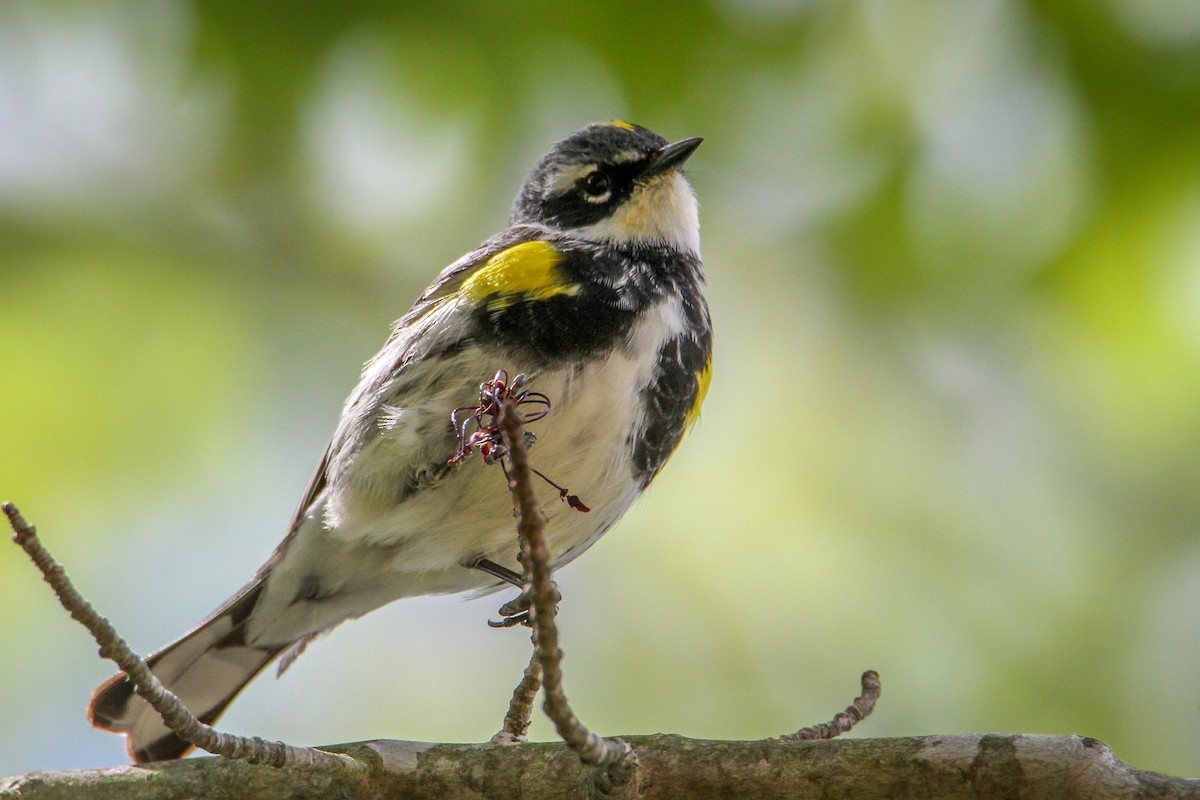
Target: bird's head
point(614, 182)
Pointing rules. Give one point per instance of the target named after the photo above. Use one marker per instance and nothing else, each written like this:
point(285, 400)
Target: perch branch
point(970, 767)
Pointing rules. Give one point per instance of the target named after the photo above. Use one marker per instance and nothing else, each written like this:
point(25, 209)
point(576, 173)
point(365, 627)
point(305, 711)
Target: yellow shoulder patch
point(529, 271)
point(620, 123)
point(703, 378)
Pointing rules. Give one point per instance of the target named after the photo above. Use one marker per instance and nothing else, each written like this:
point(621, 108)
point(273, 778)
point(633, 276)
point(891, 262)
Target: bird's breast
point(585, 444)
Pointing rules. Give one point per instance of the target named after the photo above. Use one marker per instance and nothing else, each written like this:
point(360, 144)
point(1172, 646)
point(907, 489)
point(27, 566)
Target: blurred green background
point(954, 431)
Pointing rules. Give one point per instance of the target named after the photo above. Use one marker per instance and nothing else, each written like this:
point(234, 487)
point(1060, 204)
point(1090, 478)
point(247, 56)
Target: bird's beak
point(671, 156)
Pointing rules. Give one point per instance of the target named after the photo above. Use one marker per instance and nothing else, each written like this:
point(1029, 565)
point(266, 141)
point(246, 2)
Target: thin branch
point(617, 757)
point(843, 721)
point(173, 712)
point(520, 708)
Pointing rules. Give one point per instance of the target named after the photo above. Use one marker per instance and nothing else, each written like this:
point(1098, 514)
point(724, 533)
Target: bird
point(593, 299)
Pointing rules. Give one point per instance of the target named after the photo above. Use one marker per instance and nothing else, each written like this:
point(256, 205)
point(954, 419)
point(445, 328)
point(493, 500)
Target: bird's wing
point(400, 349)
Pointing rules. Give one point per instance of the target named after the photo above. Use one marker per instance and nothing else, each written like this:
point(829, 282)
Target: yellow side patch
point(524, 271)
point(620, 123)
point(702, 380)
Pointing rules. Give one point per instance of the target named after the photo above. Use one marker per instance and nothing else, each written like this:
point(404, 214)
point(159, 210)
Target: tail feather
point(205, 668)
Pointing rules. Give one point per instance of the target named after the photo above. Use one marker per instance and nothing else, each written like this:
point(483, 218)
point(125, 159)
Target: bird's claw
point(517, 611)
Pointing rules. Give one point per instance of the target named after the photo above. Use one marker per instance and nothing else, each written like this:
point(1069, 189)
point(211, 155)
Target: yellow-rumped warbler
point(593, 292)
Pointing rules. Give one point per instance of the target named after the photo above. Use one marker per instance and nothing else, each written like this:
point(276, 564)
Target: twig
point(615, 756)
point(173, 712)
point(843, 721)
point(520, 708)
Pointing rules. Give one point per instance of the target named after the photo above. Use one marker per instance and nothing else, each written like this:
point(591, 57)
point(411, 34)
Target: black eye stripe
point(596, 188)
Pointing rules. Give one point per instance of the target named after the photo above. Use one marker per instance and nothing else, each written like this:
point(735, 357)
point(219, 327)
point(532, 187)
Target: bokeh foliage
point(954, 431)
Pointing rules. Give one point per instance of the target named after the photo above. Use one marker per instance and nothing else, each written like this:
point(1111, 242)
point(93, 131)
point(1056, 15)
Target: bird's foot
point(516, 611)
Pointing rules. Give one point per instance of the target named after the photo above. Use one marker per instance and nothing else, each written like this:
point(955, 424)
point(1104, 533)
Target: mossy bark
point(672, 767)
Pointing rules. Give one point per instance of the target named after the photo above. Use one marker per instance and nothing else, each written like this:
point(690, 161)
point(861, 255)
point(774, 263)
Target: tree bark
point(672, 767)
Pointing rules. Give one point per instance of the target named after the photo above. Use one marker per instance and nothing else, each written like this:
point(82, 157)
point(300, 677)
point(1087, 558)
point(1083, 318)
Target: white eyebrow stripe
point(627, 156)
point(564, 180)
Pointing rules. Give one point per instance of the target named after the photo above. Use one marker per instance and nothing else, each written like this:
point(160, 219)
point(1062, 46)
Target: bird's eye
point(597, 184)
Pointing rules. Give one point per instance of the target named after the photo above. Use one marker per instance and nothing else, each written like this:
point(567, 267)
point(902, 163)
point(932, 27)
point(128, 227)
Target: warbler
point(594, 294)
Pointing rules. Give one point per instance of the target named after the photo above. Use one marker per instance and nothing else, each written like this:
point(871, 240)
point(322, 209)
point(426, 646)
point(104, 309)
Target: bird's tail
point(205, 668)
